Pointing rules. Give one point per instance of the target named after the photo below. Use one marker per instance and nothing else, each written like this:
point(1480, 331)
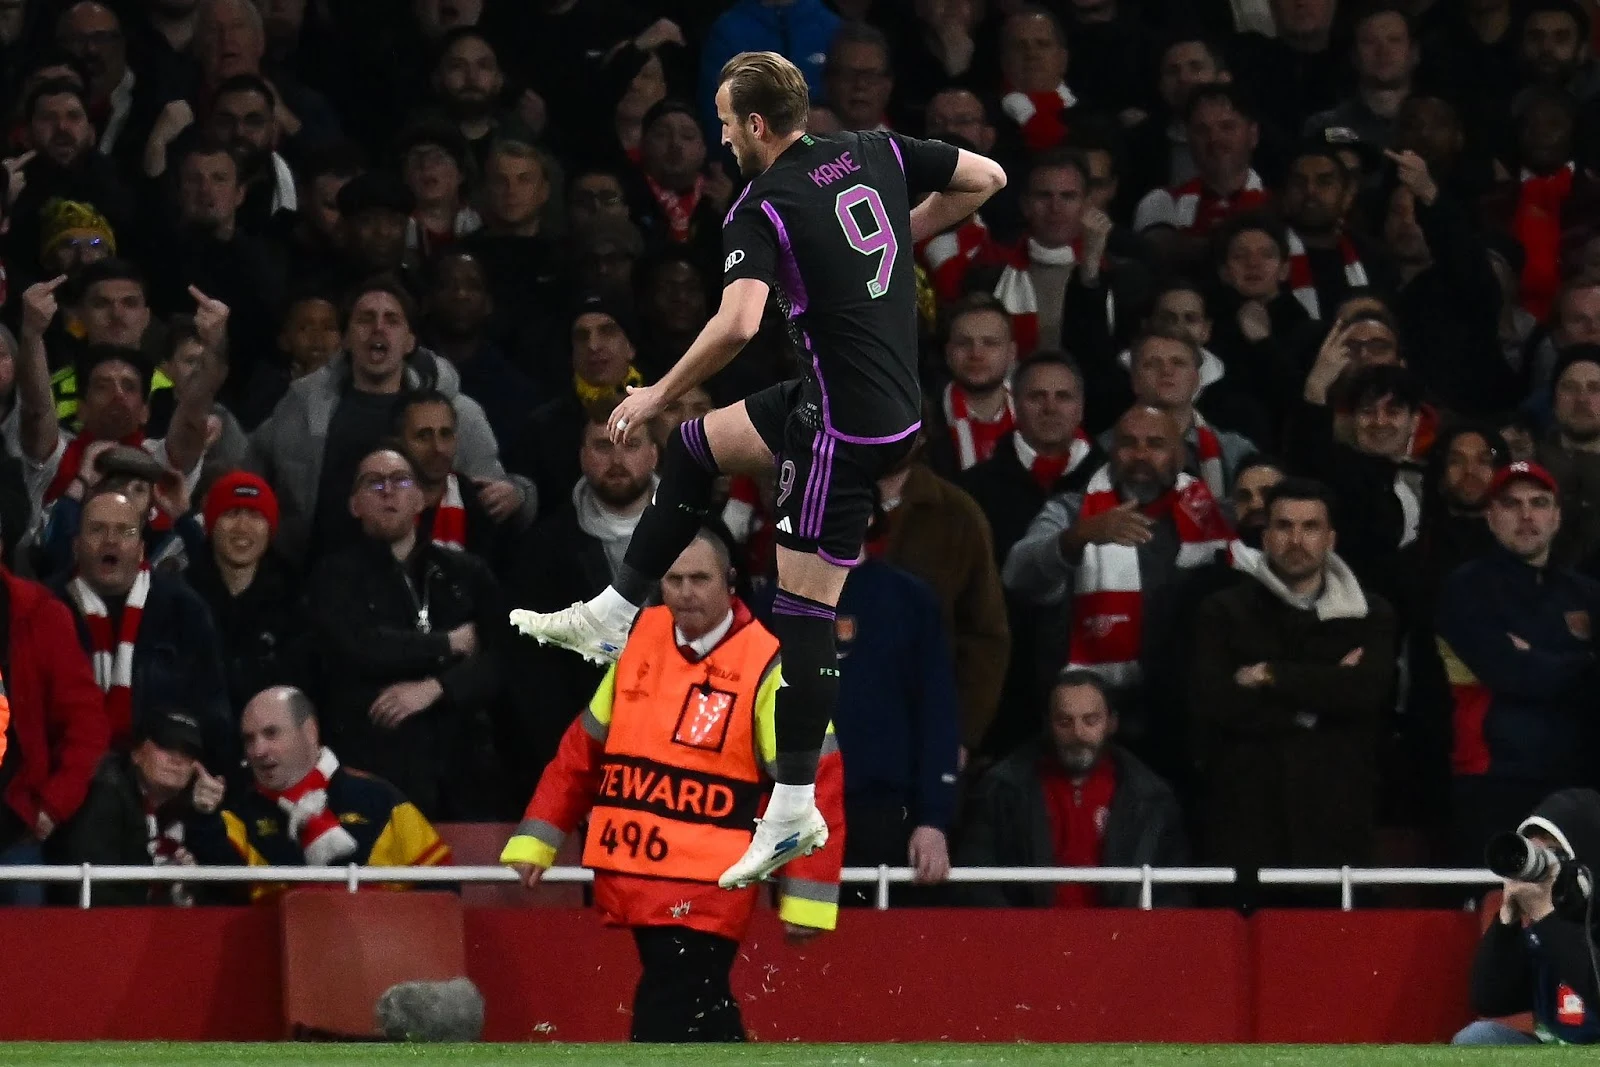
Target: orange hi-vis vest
point(5, 717)
point(681, 780)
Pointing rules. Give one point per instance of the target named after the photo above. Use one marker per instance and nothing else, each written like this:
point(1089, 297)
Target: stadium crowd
point(1265, 400)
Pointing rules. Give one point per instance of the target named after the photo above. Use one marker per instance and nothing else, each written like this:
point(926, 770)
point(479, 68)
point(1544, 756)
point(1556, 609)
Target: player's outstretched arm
point(730, 329)
point(975, 180)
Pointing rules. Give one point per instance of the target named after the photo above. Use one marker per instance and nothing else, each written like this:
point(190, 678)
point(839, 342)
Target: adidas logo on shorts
point(785, 526)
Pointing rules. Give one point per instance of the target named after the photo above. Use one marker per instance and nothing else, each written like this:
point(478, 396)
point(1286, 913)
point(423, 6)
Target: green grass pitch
point(759, 1055)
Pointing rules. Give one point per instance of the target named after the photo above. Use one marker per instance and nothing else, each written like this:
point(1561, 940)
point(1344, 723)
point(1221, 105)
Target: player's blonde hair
point(766, 84)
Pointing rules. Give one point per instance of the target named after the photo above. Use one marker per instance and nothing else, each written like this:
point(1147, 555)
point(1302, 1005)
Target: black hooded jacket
point(1549, 967)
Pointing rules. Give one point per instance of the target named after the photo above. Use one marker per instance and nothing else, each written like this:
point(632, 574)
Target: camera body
point(1518, 859)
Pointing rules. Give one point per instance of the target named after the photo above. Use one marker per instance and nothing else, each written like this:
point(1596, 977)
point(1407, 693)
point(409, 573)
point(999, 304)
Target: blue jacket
point(1519, 713)
point(800, 32)
point(897, 723)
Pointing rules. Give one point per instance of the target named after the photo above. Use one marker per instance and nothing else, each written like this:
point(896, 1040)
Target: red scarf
point(973, 438)
point(1079, 814)
point(1016, 292)
point(450, 517)
point(112, 655)
point(1208, 453)
point(1536, 223)
point(678, 207)
point(1197, 210)
point(1107, 603)
point(1047, 470)
point(947, 256)
point(72, 461)
point(164, 843)
point(317, 829)
point(1042, 116)
point(1304, 284)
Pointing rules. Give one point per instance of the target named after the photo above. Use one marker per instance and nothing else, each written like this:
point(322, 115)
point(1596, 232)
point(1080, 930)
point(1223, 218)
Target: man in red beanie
point(249, 589)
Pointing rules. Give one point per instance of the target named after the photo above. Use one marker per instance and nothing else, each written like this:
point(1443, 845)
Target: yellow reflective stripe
point(1456, 672)
point(812, 913)
point(604, 697)
point(521, 849)
point(766, 713)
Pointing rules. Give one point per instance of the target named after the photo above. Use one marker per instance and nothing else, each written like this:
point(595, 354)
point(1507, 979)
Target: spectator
point(434, 161)
point(468, 82)
point(798, 30)
point(244, 117)
point(307, 809)
point(230, 39)
point(119, 104)
point(374, 212)
point(459, 308)
point(940, 54)
point(1162, 154)
point(522, 261)
point(573, 553)
point(456, 511)
point(1448, 299)
point(186, 366)
point(607, 254)
point(672, 719)
point(1572, 453)
point(330, 419)
point(683, 201)
point(1182, 309)
point(73, 236)
point(602, 368)
point(1290, 673)
point(1328, 261)
point(413, 637)
point(1518, 650)
point(1072, 797)
point(859, 77)
point(1297, 72)
point(1112, 44)
point(898, 727)
point(672, 304)
point(1120, 554)
point(1222, 134)
point(318, 238)
point(595, 193)
point(1385, 57)
point(150, 637)
point(153, 806)
point(307, 339)
point(253, 599)
point(1252, 482)
point(1554, 49)
point(935, 531)
point(107, 304)
point(1574, 320)
point(56, 732)
point(1167, 369)
point(976, 411)
point(1033, 66)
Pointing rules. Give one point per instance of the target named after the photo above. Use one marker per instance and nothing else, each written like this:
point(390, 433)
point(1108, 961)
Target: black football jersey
point(828, 227)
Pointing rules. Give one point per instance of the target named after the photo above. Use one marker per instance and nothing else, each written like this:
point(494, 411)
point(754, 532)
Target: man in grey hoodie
point(317, 435)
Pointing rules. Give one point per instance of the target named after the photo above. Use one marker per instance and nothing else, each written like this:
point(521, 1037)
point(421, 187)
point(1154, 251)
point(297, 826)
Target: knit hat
point(596, 303)
point(241, 489)
point(61, 221)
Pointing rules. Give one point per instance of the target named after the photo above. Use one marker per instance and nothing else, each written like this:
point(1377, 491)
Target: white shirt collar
point(702, 645)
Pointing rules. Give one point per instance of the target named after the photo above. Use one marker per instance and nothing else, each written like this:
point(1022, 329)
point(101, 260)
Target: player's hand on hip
point(633, 414)
point(530, 873)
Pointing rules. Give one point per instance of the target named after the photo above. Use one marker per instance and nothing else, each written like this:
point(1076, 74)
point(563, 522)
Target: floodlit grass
point(164, 1054)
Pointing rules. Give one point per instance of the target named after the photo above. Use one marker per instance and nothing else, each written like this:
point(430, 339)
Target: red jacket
point(57, 711)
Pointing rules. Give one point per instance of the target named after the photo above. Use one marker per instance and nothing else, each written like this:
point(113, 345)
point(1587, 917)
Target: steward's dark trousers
point(684, 992)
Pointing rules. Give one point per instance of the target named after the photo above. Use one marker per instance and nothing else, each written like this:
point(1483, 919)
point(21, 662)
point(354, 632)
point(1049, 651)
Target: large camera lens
point(1513, 856)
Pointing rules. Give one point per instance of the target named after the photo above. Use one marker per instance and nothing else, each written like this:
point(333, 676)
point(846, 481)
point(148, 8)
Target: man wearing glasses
point(410, 633)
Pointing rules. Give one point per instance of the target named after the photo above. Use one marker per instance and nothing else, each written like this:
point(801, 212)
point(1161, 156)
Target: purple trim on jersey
point(788, 604)
point(788, 267)
point(736, 204)
point(837, 562)
point(827, 418)
point(898, 157)
point(891, 439)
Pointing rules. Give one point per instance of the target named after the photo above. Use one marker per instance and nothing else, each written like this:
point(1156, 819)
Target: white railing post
point(1147, 889)
point(84, 894)
point(883, 887)
point(354, 878)
point(1347, 894)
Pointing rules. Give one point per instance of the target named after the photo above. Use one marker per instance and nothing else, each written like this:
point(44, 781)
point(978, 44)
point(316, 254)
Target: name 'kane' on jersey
point(828, 227)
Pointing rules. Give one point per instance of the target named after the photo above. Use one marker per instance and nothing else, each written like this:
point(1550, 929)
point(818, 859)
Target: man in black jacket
point(412, 640)
point(1073, 798)
point(1537, 955)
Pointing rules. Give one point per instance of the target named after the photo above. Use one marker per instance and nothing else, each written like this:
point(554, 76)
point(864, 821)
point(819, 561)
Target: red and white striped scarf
point(112, 654)
point(1041, 115)
point(1304, 284)
point(947, 256)
point(317, 829)
point(164, 843)
point(974, 438)
point(450, 517)
point(1108, 602)
point(1208, 455)
point(678, 208)
point(1016, 292)
point(1047, 470)
point(1196, 209)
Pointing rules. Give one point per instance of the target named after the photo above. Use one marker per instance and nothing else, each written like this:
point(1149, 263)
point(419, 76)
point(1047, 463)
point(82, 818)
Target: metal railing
point(1146, 878)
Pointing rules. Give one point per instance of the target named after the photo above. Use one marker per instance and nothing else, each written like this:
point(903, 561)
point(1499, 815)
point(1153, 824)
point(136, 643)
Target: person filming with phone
point(1542, 953)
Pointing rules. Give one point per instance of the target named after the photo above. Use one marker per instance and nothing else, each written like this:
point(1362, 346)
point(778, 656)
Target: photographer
point(1538, 955)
